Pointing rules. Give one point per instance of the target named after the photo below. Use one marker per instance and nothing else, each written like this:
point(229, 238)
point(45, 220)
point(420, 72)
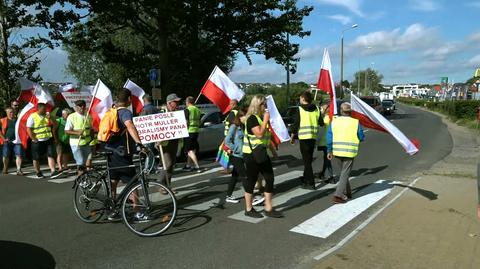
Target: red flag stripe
point(137, 104)
point(367, 122)
point(216, 96)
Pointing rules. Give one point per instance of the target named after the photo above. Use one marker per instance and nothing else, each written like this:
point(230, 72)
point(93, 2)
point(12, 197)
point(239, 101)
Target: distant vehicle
point(374, 101)
point(385, 96)
point(288, 116)
point(393, 101)
point(388, 106)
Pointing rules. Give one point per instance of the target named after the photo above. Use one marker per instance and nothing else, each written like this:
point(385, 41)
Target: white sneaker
point(258, 199)
point(231, 199)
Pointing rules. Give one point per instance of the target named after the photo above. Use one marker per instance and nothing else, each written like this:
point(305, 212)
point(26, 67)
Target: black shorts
point(41, 147)
point(191, 142)
point(124, 174)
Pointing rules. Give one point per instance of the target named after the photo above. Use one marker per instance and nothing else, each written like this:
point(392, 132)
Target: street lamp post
point(341, 58)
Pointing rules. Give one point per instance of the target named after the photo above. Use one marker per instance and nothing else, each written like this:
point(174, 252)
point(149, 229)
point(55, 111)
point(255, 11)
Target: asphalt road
point(38, 225)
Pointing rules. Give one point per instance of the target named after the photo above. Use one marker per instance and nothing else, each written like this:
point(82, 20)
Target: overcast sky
point(415, 41)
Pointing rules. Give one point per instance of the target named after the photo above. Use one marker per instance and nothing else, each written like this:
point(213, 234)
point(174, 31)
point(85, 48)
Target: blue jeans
point(80, 154)
point(10, 147)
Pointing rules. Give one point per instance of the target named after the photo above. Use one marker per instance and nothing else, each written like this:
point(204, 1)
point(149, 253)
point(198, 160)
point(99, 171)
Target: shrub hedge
point(460, 109)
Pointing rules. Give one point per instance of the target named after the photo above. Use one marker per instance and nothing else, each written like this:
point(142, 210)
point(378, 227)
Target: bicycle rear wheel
point(90, 193)
point(149, 217)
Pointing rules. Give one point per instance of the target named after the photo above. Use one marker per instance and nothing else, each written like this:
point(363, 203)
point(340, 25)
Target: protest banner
point(71, 97)
point(161, 126)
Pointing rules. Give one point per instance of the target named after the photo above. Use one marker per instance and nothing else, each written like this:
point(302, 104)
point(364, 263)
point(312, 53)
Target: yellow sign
point(477, 72)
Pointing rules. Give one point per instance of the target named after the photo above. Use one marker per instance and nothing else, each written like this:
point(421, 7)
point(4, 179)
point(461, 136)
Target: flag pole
point(316, 91)
point(211, 74)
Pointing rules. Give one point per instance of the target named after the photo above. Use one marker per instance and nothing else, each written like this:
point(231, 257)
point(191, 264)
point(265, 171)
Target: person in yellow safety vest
point(10, 146)
point(79, 127)
point(63, 146)
point(343, 139)
point(170, 147)
point(327, 172)
point(42, 132)
point(255, 143)
point(233, 110)
point(191, 147)
point(305, 127)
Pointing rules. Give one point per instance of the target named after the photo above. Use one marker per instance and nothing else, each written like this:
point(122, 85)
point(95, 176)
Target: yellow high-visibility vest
point(254, 141)
point(41, 126)
point(308, 123)
point(227, 124)
point(323, 139)
point(78, 123)
point(345, 137)
point(193, 119)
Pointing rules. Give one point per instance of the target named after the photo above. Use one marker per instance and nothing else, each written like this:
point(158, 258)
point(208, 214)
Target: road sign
point(154, 76)
point(156, 94)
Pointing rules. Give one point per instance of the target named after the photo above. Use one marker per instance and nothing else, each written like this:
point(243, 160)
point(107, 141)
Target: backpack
point(108, 126)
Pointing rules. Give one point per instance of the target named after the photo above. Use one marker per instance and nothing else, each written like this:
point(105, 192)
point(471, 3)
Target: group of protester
point(247, 137)
point(69, 134)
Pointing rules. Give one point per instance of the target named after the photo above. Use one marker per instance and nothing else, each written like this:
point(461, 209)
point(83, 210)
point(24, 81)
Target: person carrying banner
point(149, 109)
point(79, 127)
point(39, 129)
point(255, 144)
point(63, 146)
point(322, 146)
point(170, 147)
point(343, 139)
point(305, 127)
point(7, 134)
point(192, 114)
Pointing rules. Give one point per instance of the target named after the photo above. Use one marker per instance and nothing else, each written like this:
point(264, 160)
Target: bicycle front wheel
point(90, 193)
point(149, 211)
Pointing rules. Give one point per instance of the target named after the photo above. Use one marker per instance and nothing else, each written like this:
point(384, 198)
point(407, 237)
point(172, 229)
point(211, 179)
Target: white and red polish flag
point(370, 118)
point(277, 126)
point(325, 82)
point(137, 95)
point(64, 88)
point(220, 90)
point(27, 88)
point(39, 96)
point(101, 102)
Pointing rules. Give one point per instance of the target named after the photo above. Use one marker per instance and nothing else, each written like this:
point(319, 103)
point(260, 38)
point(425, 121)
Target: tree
point(186, 39)
point(19, 52)
point(369, 81)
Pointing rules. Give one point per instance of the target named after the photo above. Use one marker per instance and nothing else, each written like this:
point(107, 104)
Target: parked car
point(288, 115)
point(393, 101)
point(388, 106)
point(374, 101)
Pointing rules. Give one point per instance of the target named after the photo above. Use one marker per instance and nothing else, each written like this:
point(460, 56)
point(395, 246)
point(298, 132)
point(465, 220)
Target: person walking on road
point(7, 134)
point(255, 144)
point(63, 146)
point(79, 127)
point(192, 114)
point(233, 110)
point(170, 147)
point(42, 131)
point(305, 127)
point(234, 141)
point(327, 170)
point(343, 139)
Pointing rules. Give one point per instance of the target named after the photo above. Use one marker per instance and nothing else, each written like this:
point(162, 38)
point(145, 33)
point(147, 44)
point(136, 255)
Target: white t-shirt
point(30, 124)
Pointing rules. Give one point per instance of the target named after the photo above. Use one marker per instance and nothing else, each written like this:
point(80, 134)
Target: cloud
point(341, 18)
point(268, 72)
point(424, 5)
point(352, 5)
point(442, 52)
point(474, 62)
point(475, 37)
point(414, 37)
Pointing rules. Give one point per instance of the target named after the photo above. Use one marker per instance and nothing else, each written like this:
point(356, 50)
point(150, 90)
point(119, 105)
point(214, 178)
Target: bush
point(457, 110)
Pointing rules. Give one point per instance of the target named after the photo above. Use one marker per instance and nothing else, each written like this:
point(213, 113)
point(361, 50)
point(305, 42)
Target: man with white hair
point(343, 138)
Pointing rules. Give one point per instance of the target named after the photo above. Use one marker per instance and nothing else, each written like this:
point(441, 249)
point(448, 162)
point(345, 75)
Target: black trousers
point(238, 172)
point(307, 147)
point(253, 170)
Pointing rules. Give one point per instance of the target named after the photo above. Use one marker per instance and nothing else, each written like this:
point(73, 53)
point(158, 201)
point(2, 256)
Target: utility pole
point(288, 71)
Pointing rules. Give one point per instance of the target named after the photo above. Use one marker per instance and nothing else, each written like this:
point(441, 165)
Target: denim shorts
point(9, 148)
point(80, 154)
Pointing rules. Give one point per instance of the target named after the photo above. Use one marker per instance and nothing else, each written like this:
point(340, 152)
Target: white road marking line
point(333, 218)
point(239, 193)
point(363, 224)
point(63, 179)
point(197, 174)
point(285, 201)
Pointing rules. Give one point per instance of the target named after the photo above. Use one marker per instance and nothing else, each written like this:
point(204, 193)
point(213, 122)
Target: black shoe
point(55, 174)
point(199, 170)
point(253, 214)
point(40, 175)
point(308, 187)
point(187, 168)
point(114, 216)
point(330, 180)
point(273, 214)
point(321, 175)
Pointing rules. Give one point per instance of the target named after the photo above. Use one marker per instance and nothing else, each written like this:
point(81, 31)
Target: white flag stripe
point(361, 107)
point(276, 120)
point(327, 65)
point(226, 85)
point(102, 93)
point(67, 87)
point(135, 89)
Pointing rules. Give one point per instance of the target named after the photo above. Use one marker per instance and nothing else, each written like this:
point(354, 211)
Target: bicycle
point(148, 208)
